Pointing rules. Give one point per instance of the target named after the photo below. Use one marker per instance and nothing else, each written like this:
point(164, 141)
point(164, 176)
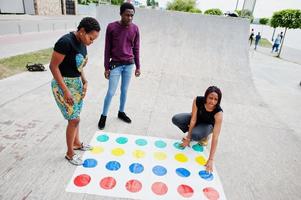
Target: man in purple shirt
point(121, 54)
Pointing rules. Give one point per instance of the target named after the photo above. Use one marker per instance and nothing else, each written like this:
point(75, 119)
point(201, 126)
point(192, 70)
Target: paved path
point(181, 55)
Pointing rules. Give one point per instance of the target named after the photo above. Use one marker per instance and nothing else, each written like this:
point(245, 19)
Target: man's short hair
point(125, 6)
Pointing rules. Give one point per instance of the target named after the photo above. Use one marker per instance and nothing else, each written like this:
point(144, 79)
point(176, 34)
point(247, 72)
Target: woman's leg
point(201, 131)
point(77, 143)
point(182, 121)
point(113, 83)
point(125, 81)
point(70, 135)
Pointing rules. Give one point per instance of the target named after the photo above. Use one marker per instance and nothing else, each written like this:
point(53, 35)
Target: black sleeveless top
point(203, 116)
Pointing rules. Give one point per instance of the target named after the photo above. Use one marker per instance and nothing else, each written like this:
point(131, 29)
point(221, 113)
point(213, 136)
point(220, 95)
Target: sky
point(263, 8)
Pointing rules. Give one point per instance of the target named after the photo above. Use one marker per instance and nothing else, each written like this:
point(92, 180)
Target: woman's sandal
point(75, 160)
point(84, 147)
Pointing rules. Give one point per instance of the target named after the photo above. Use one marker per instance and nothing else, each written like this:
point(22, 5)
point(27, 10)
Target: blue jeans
point(125, 71)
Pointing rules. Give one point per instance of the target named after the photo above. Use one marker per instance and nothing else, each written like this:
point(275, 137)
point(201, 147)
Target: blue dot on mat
point(198, 147)
point(178, 146)
point(113, 165)
point(136, 168)
point(90, 163)
point(182, 172)
point(206, 175)
point(159, 170)
point(102, 138)
point(141, 142)
point(121, 140)
point(160, 144)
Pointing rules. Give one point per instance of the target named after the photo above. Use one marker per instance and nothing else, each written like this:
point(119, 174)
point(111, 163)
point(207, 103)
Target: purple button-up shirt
point(122, 44)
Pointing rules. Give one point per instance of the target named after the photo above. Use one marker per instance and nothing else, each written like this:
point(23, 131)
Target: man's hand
point(137, 72)
point(107, 74)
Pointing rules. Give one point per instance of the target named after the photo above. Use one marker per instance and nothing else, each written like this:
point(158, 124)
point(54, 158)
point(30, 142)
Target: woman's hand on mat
point(137, 72)
point(107, 74)
point(85, 86)
point(68, 97)
point(185, 142)
point(209, 166)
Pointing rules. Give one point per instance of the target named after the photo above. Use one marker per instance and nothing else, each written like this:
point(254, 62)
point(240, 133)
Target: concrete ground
point(181, 55)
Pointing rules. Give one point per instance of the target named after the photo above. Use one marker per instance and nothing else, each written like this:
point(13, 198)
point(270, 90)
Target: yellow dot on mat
point(138, 154)
point(118, 152)
point(181, 157)
point(160, 155)
point(200, 160)
point(97, 150)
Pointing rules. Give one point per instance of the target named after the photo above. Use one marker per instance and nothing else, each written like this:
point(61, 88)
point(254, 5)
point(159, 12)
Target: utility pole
point(236, 5)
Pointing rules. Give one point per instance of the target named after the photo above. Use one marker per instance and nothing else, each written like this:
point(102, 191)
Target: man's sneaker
point(102, 122)
point(123, 117)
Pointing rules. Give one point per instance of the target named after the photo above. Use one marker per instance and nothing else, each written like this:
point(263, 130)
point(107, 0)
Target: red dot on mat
point(107, 183)
point(133, 185)
point(82, 180)
point(185, 190)
point(211, 193)
point(159, 188)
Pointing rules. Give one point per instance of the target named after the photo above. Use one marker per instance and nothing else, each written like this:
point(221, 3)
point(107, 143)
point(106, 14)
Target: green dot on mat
point(198, 147)
point(160, 144)
point(102, 138)
point(177, 145)
point(121, 140)
point(141, 142)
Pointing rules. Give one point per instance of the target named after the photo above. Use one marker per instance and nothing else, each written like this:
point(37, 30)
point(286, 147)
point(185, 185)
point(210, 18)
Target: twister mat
point(142, 167)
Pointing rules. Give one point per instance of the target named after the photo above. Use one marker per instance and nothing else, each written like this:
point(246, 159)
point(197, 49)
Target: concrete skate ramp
point(181, 55)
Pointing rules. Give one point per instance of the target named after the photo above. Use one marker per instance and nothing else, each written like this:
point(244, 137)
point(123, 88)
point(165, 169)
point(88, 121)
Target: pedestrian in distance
point(122, 45)
point(251, 37)
point(257, 39)
point(69, 84)
point(205, 118)
point(276, 43)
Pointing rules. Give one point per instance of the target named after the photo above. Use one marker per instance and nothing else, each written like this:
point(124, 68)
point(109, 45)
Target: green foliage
point(288, 18)
point(116, 2)
point(148, 2)
point(213, 11)
point(264, 21)
point(152, 3)
point(238, 12)
point(246, 14)
point(86, 2)
point(183, 5)
point(195, 10)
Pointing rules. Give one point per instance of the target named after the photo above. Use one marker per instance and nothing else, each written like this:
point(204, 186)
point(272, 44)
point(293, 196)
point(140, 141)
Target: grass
point(16, 64)
point(263, 42)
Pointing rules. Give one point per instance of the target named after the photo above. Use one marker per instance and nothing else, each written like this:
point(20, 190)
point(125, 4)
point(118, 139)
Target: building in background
point(38, 7)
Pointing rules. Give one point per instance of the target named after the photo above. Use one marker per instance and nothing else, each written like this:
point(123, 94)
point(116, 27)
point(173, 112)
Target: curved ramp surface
point(181, 55)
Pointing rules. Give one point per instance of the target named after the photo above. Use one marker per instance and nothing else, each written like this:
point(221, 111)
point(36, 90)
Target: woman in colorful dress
point(69, 84)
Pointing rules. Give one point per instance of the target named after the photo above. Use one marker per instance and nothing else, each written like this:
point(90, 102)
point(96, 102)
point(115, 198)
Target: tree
point(264, 21)
point(148, 2)
point(213, 11)
point(288, 19)
point(116, 2)
point(183, 5)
